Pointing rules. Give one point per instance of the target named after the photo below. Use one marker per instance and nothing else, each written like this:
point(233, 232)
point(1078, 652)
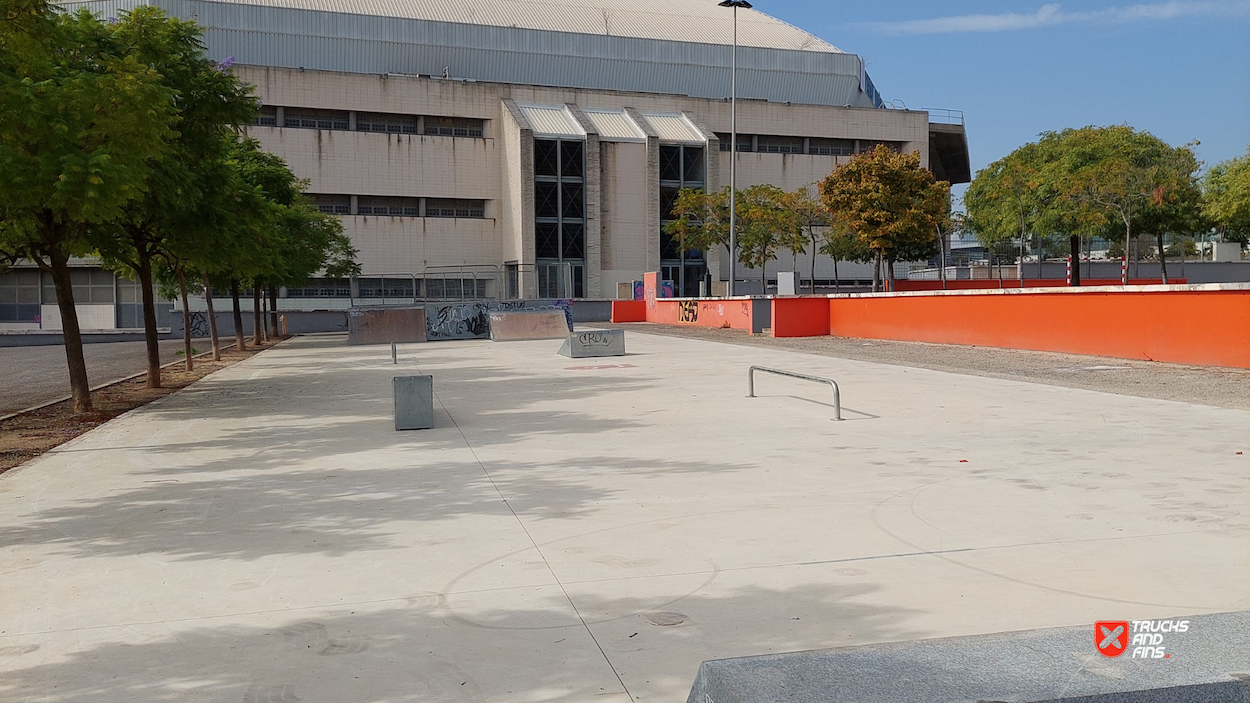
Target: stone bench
point(1208, 663)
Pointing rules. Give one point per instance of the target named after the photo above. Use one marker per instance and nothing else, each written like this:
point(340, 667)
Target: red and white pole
point(1124, 270)
point(1069, 270)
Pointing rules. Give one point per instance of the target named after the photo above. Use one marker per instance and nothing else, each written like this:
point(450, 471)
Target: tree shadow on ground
point(421, 648)
point(216, 511)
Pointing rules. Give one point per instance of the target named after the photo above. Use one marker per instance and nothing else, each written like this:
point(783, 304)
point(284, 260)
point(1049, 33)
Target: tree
point(805, 206)
point(1129, 178)
point(83, 120)
point(1226, 198)
point(700, 219)
point(765, 226)
point(190, 203)
point(841, 243)
point(890, 201)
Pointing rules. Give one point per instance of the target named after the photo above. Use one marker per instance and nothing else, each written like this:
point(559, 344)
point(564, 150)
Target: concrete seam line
point(102, 386)
point(537, 548)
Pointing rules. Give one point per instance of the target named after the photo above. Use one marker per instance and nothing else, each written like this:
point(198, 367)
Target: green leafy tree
point(700, 219)
point(765, 226)
point(183, 218)
point(805, 206)
point(891, 202)
point(1129, 179)
point(1226, 198)
point(841, 243)
point(83, 121)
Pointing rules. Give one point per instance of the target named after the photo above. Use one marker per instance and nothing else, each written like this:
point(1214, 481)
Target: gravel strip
point(1204, 385)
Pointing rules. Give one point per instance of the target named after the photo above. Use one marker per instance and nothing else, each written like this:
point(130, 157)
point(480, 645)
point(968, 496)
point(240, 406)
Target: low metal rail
point(837, 397)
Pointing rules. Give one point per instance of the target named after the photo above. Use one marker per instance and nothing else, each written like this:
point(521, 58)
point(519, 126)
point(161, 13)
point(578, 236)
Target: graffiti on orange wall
point(688, 311)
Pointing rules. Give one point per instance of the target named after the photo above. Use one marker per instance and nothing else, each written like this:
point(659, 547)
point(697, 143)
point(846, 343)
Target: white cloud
point(1053, 15)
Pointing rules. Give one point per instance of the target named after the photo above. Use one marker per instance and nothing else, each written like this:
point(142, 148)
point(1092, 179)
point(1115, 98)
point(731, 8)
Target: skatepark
point(594, 529)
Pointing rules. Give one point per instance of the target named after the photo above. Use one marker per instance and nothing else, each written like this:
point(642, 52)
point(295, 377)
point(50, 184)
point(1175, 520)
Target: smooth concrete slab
point(1206, 663)
point(385, 325)
point(521, 325)
point(414, 402)
point(592, 529)
point(585, 344)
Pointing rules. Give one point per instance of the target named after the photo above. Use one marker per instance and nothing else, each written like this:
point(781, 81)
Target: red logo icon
point(1111, 637)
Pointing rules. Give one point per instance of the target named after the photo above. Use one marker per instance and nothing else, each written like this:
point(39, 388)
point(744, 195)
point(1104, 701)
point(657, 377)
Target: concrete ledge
point(385, 325)
point(592, 343)
point(515, 325)
point(1208, 663)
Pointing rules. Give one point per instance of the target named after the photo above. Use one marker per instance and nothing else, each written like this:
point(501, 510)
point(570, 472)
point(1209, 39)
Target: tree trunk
point(264, 310)
point(836, 284)
point(1074, 250)
point(150, 335)
point(80, 388)
point(942, 257)
point(764, 278)
point(212, 317)
point(186, 322)
point(876, 272)
point(239, 342)
point(1163, 259)
point(258, 337)
point(1039, 257)
point(273, 312)
point(889, 273)
point(813, 281)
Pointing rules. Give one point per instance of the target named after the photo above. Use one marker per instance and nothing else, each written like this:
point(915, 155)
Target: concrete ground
point(34, 375)
point(577, 530)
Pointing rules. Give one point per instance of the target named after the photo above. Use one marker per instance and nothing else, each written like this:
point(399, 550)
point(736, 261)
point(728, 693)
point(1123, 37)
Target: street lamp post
point(733, 145)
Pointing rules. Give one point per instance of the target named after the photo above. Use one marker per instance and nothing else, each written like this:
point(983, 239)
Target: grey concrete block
point(1208, 663)
point(414, 402)
point(580, 345)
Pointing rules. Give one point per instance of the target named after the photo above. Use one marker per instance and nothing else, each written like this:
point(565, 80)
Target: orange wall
point(1210, 327)
point(703, 313)
point(800, 317)
point(629, 311)
point(988, 283)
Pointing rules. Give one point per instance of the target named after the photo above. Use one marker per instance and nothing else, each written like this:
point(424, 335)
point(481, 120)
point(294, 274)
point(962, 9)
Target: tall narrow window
point(560, 217)
point(680, 167)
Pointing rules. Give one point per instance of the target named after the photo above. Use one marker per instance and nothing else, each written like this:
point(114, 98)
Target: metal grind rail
point(837, 397)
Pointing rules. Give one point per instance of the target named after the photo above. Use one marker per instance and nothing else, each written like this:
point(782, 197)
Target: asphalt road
point(33, 375)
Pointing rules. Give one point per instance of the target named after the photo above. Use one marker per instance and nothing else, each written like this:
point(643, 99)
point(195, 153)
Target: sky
point(1180, 70)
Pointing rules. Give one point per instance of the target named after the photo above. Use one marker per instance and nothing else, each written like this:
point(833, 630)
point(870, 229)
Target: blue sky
point(1178, 69)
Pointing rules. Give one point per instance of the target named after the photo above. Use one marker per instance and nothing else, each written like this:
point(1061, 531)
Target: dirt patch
point(26, 436)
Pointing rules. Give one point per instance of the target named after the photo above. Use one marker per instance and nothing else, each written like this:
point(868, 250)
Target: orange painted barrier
point(800, 317)
point(736, 314)
point(906, 286)
point(629, 311)
point(1207, 325)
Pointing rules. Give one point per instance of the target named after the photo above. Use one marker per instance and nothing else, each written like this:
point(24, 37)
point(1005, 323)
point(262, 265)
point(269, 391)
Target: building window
point(268, 116)
point(91, 285)
point(867, 145)
point(19, 296)
point(446, 207)
point(333, 204)
point(560, 217)
point(680, 167)
point(129, 314)
point(831, 147)
point(388, 205)
point(781, 145)
point(455, 288)
point(745, 142)
point(384, 287)
point(386, 122)
point(322, 288)
point(308, 118)
point(454, 126)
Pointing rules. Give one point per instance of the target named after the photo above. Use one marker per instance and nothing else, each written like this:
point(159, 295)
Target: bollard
point(394, 354)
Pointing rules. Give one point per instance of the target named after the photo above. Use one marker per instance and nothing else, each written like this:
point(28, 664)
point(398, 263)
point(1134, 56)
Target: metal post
point(733, 160)
point(837, 396)
point(394, 354)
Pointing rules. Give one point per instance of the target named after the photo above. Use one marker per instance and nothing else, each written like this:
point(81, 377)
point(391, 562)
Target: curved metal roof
point(652, 46)
point(700, 21)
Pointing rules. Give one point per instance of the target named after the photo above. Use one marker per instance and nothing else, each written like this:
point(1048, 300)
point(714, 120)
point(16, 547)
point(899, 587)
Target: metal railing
point(941, 115)
point(837, 397)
